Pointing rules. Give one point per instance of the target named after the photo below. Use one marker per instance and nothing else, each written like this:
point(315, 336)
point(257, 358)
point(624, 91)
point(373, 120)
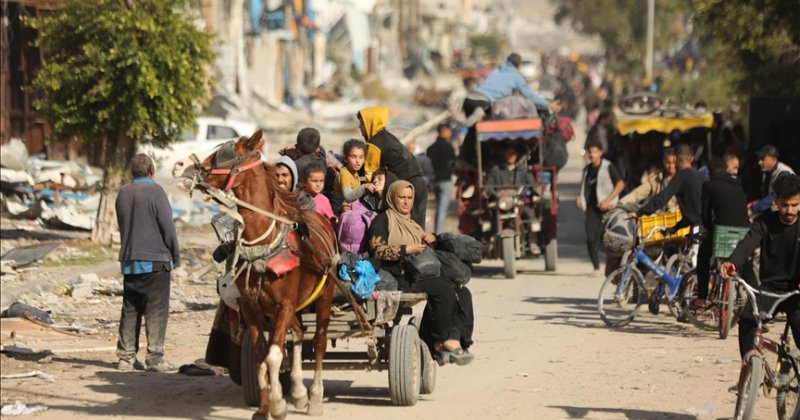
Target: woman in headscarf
point(448, 319)
point(384, 150)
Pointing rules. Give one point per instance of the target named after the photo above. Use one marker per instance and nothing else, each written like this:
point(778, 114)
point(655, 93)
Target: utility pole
point(651, 13)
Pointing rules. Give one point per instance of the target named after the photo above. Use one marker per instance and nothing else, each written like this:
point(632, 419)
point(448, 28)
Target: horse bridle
point(230, 167)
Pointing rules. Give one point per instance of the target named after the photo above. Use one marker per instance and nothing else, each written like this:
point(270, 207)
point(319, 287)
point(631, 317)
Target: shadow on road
point(342, 391)
point(582, 313)
point(584, 412)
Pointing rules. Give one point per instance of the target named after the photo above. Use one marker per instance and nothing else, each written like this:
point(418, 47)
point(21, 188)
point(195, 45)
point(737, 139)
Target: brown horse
point(272, 219)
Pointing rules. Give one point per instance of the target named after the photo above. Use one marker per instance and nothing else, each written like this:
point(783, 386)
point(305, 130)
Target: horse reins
point(228, 202)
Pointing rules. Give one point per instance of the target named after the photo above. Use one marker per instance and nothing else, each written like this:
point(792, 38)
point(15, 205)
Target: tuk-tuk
point(642, 137)
point(512, 221)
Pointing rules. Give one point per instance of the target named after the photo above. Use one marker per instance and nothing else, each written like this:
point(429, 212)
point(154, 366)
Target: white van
point(206, 133)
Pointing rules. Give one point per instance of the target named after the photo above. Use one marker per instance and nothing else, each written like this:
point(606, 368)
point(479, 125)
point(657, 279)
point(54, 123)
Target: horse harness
point(282, 251)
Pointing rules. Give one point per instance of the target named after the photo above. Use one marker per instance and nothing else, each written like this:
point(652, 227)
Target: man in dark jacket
point(384, 150)
point(724, 203)
point(777, 234)
point(148, 252)
point(686, 185)
point(443, 157)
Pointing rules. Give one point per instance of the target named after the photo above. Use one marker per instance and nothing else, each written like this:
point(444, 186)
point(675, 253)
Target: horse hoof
point(259, 416)
point(314, 409)
point(278, 409)
point(300, 401)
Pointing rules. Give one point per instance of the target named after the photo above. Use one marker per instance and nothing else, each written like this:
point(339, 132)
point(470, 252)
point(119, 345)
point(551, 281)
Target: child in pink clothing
point(313, 183)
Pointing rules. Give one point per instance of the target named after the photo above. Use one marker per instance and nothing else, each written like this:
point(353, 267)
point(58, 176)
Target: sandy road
point(542, 353)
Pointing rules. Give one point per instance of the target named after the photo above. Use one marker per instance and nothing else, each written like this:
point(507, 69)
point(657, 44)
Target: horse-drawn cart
point(391, 344)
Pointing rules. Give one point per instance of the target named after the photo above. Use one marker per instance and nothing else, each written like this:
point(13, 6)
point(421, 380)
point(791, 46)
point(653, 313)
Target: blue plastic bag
point(365, 279)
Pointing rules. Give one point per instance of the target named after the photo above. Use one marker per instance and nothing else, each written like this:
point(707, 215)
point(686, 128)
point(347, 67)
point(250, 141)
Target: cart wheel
point(250, 388)
point(404, 365)
point(508, 257)
point(551, 255)
point(429, 366)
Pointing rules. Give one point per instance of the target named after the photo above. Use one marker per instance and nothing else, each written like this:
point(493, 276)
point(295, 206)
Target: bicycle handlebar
point(751, 296)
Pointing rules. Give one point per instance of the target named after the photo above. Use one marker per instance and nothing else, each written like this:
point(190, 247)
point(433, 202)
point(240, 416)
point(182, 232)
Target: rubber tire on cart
point(250, 388)
point(726, 313)
point(404, 365)
point(750, 387)
point(509, 259)
point(551, 255)
point(429, 366)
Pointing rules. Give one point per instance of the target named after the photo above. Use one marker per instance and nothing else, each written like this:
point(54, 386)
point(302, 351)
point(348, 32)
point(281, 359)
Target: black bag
point(453, 269)
point(423, 266)
point(465, 247)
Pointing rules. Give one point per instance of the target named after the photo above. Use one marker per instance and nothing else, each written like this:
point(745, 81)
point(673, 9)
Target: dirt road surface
point(542, 352)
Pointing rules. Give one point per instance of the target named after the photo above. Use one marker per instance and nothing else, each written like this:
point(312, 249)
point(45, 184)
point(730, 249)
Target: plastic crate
point(647, 223)
point(726, 238)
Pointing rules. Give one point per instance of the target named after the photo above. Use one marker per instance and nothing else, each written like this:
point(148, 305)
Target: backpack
point(353, 226)
point(618, 232)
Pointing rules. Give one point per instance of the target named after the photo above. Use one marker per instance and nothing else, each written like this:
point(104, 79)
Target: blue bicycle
point(624, 292)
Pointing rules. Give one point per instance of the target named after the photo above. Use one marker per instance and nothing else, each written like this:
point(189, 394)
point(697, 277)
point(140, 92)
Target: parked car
point(206, 133)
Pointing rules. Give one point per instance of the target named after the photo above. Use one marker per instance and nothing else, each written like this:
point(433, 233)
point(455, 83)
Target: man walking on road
point(443, 157)
point(148, 252)
point(600, 188)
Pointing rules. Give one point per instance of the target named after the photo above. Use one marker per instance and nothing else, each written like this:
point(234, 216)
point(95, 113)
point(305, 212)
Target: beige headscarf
point(402, 229)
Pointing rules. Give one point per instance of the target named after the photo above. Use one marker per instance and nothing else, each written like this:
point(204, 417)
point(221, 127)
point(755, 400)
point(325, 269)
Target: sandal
point(458, 356)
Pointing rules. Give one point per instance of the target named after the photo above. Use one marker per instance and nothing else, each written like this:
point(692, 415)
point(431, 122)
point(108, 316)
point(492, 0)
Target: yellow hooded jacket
point(374, 119)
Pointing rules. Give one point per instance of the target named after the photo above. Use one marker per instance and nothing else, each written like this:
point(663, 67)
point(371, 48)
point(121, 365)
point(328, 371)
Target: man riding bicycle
point(778, 236)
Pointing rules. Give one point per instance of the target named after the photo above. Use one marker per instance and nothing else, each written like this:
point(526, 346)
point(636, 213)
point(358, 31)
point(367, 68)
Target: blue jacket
point(503, 81)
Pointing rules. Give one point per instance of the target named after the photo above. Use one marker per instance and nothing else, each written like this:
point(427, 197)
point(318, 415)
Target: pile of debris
point(58, 194)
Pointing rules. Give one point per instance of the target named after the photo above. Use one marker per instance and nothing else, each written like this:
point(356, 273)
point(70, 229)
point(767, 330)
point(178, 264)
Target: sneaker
point(127, 365)
point(162, 366)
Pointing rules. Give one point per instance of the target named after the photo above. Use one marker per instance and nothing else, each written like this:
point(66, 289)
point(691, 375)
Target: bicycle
point(755, 372)
point(623, 291)
point(725, 301)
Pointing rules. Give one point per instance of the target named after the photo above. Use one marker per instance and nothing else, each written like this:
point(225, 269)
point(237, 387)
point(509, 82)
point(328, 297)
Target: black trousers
point(747, 323)
point(594, 234)
point(144, 296)
point(448, 313)
point(704, 265)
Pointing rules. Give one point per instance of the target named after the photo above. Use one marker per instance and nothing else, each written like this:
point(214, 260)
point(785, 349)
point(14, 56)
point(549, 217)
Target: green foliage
point(760, 42)
point(487, 43)
point(622, 26)
point(136, 68)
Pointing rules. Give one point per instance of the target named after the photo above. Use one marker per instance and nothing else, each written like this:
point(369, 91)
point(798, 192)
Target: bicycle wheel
point(749, 385)
point(787, 398)
point(727, 305)
point(621, 296)
point(704, 318)
point(672, 267)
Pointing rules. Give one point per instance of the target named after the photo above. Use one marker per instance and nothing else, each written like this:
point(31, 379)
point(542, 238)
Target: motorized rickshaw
point(512, 221)
point(646, 124)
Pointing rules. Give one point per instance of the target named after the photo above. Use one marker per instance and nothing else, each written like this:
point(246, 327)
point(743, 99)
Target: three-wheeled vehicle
point(513, 221)
point(647, 123)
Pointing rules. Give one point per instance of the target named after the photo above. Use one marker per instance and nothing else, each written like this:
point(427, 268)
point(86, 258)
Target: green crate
point(726, 238)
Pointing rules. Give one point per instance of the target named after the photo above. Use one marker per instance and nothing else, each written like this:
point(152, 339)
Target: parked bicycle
point(624, 291)
point(725, 301)
point(756, 372)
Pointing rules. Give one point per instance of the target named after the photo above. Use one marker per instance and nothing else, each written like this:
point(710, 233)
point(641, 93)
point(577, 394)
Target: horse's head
point(219, 166)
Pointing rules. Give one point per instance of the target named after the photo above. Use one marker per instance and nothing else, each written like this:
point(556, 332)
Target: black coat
point(395, 157)
point(724, 203)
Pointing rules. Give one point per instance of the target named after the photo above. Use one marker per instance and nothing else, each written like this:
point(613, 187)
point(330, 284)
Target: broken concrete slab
point(20, 257)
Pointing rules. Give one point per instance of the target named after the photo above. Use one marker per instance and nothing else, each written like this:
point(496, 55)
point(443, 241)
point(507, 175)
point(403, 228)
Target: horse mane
point(282, 199)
